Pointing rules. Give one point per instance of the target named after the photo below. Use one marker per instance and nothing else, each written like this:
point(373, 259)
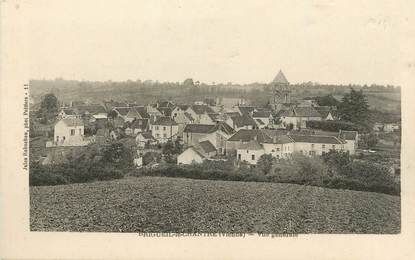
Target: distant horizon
point(213, 82)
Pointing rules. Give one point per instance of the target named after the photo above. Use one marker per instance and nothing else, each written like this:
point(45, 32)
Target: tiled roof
point(282, 139)
point(201, 109)
point(123, 111)
point(244, 120)
point(246, 135)
point(207, 146)
point(142, 111)
point(225, 128)
point(263, 114)
point(325, 110)
point(280, 78)
point(92, 109)
point(199, 128)
point(164, 120)
point(316, 139)
point(251, 145)
point(246, 109)
point(301, 112)
point(259, 121)
point(73, 122)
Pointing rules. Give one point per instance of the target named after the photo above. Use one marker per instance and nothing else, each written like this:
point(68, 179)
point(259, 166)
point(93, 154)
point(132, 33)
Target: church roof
point(280, 78)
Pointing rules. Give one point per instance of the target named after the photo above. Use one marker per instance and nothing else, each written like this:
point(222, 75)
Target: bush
point(71, 173)
point(300, 169)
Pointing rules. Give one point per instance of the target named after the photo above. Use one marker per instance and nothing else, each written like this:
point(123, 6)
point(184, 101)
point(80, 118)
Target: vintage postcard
point(207, 129)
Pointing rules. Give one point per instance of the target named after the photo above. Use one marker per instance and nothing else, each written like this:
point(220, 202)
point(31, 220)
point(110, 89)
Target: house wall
point(310, 149)
point(63, 135)
point(163, 133)
point(298, 122)
point(278, 150)
point(246, 155)
point(220, 143)
point(194, 138)
point(232, 146)
point(350, 146)
point(189, 156)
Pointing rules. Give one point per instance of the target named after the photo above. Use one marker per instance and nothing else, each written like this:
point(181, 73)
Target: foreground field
point(152, 204)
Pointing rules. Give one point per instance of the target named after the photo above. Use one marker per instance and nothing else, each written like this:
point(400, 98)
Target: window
point(239, 156)
point(333, 147)
point(165, 135)
point(157, 135)
point(278, 156)
point(80, 131)
point(278, 149)
point(157, 127)
point(312, 146)
point(57, 138)
point(72, 131)
point(323, 146)
point(247, 151)
point(253, 157)
point(272, 151)
point(309, 152)
point(164, 128)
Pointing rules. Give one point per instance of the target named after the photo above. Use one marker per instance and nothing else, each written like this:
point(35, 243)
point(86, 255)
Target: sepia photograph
point(210, 118)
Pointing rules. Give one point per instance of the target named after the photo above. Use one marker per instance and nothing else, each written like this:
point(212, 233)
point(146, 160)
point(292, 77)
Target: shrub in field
point(84, 168)
point(300, 169)
point(265, 163)
point(150, 157)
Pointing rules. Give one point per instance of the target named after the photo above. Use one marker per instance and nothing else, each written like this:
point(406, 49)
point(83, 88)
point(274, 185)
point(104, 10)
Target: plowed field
point(153, 204)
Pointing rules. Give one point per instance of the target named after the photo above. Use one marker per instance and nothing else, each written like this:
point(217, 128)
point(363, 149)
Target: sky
point(323, 41)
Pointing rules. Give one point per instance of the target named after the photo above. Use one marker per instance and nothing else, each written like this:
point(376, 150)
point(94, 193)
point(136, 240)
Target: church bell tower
point(281, 92)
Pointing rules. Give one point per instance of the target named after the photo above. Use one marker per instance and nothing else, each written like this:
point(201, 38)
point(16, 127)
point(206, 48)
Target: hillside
point(153, 204)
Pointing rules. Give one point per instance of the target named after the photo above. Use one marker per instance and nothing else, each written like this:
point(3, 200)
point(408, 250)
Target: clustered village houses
point(209, 129)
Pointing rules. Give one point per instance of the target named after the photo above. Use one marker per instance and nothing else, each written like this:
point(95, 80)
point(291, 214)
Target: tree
point(265, 163)
point(188, 83)
point(118, 155)
point(150, 157)
point(369, 140)
point(48, 108)
point(327, 100)
point(354, 107)
point(49, 103)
